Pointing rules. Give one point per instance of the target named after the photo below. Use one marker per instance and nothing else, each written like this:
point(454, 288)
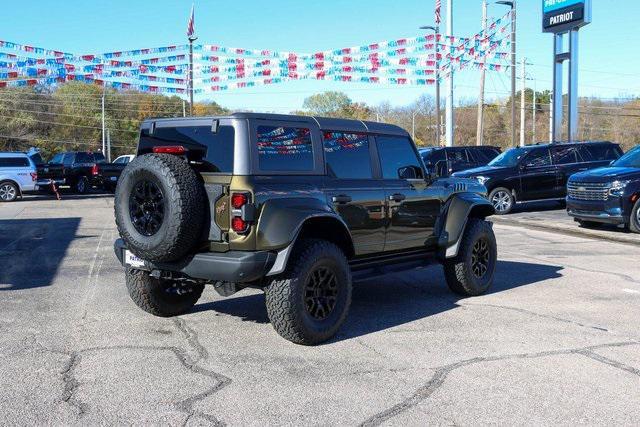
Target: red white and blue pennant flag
point(407, 61)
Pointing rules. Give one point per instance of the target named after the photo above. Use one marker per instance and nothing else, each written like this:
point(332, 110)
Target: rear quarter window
point(14, 162)
point(282, 148)
point(601, 152)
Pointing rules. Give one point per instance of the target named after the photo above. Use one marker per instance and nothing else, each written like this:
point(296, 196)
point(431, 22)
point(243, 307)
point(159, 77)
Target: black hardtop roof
point(325, 123)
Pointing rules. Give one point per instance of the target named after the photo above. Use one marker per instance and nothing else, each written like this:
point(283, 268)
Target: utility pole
point(523, 111)
point(184, 109)
point(512, 4)
point(108, 156)
point(191, 30)
point(436, 32)
point(449, 106)
point(533, 113)
point(551, 108)
point(103, 124)
point(413, 125)
point(480, 126)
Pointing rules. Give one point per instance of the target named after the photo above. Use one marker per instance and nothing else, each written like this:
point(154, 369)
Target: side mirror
point(410, 172)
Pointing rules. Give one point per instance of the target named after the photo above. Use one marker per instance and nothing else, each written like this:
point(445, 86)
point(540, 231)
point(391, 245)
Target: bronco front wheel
point(471, 272)
point(310, 300)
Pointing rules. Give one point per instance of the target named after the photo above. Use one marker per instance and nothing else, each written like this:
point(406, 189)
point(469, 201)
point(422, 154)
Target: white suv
point(18, 174)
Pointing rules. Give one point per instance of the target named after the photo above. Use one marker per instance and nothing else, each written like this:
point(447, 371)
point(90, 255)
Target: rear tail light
point(239, 225)
point(238, 200)
point(241, 212)
point(34, 176)
point(95, 170)
point(169, 149)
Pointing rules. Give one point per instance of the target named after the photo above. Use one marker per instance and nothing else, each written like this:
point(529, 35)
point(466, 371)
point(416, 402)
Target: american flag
point(191, 26)
point(438, 17)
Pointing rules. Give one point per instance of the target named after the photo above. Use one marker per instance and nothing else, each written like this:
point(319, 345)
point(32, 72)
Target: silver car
point(18, 174)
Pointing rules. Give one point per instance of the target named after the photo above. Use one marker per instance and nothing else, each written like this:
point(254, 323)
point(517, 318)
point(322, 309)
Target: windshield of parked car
point(629, 160)
point(509, 158)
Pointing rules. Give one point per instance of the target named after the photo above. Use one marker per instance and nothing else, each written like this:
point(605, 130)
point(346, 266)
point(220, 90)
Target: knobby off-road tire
point(502, 200)
point(160, 207)
point(161, 297)
point(310, 300)
point(464, 273)
point(634, 219)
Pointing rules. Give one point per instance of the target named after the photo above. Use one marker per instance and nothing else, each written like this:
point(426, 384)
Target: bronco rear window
point(211, 152)
point(283, 148)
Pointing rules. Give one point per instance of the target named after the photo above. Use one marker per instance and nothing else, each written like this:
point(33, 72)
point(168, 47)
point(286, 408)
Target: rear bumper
point(232, 266)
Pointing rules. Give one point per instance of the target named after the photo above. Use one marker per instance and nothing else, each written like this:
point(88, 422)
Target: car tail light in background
point(34, 176)
point(95, 170)
point(241, 212)
point(169, 149)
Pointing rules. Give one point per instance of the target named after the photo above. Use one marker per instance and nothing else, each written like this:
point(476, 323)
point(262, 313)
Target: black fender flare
point(281, 221)
point(454, 217)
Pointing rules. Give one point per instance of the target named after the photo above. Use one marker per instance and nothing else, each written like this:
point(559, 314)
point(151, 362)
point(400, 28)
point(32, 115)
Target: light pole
point(449, 105)
point(512, 5)
point(480, 125)
point(436, 32)
point(192, 38)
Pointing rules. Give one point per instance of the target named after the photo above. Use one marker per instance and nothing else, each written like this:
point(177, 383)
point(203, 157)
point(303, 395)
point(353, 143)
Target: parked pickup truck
point(111, 172)
point(76, 169)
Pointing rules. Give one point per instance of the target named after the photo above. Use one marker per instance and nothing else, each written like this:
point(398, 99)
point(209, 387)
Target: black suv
point(538, 172)
point(607, 195)
point(444, 161)
point(296, 206)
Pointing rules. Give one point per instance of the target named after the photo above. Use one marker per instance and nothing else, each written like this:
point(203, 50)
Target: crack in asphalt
point(442, 372)
point(533, 313)
point(187, 405)
point(71, 383)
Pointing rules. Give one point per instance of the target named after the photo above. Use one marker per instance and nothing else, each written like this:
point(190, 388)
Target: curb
point(629, 239)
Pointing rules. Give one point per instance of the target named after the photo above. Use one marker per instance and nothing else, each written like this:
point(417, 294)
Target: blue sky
point(609, 62)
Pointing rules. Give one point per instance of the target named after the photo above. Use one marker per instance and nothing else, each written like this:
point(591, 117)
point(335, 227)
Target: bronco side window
point(347, 155)
point(283, 148)
point(398, 159)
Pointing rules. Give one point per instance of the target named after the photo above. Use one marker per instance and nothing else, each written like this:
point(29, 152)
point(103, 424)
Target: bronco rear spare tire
point(160, 207)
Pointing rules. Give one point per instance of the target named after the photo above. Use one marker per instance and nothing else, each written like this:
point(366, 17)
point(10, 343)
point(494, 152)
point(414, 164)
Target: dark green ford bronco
point(299, 207)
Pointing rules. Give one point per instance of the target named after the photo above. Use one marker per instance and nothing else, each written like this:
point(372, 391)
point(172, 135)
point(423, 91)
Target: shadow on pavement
point(396, 299)
point(31, 250)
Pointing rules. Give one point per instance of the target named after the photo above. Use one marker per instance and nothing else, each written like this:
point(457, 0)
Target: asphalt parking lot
point(556, 340)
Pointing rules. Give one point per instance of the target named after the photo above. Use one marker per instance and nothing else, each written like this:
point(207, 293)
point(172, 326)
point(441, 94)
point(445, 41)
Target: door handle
point(341, 199)
point(397, 197)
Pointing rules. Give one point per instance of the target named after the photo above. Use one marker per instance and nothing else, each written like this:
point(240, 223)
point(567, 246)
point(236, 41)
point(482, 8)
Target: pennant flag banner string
point(406, 61)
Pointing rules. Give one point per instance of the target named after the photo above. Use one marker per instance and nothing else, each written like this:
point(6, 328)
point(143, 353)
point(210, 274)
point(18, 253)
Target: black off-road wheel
point(502, 200)
point(634, 219)
point(308, 303)
point(471, 272)
point(162, 297)
point(160, 207)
